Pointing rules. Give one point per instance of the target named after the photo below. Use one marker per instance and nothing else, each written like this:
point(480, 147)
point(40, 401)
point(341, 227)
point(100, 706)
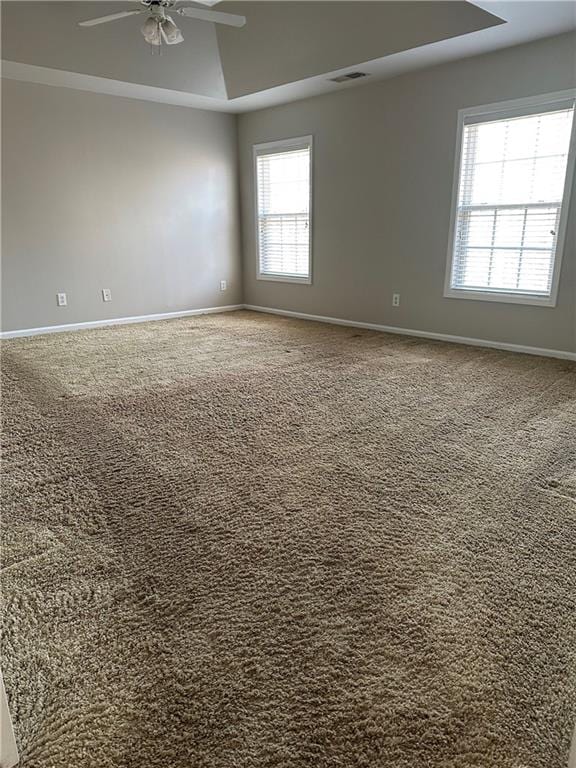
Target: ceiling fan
point(159, 27)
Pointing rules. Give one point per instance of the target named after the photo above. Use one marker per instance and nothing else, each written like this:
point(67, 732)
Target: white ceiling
point(114, 59)
point(299, 40)
point(46, 34)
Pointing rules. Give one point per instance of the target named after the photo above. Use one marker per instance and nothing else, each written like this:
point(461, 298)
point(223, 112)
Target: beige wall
point(105, 192)
point(383, 171)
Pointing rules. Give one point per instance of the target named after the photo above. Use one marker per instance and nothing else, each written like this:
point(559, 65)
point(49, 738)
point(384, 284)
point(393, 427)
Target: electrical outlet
point(61, 300)
point(395, 299)
point(106, 294)
point(223, 285)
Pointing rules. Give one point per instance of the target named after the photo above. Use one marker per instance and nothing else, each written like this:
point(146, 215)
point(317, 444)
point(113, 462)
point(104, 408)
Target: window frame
point(529, 105)
point(276, 147)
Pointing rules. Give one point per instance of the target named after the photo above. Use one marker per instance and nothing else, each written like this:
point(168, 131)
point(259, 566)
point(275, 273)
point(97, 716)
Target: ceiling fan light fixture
point(159, 28)
point(151, 31)
point(170, 32)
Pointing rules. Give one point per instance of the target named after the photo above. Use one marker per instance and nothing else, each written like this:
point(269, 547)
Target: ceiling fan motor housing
point(159, 27)
point(157, 3)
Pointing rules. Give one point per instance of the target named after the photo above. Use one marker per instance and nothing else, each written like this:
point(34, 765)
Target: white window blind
point(283, 196)
point(509, 206)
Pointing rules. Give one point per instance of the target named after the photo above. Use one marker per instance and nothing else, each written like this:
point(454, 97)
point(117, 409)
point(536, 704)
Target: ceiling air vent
point(348, 76)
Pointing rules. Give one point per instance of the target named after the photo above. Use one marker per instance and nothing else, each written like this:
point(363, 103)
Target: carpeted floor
point(239, 541)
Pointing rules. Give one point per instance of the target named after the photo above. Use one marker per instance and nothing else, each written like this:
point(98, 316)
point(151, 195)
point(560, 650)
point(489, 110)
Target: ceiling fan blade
point(104, 19)
point(216, 16)
point(208, 3)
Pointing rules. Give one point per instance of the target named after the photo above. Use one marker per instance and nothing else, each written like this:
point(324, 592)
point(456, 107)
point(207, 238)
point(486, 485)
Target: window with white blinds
point(508, 222)
point(283, 193)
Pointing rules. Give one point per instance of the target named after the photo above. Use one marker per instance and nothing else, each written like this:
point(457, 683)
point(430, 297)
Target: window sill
point(501, 297)
point(285, 279)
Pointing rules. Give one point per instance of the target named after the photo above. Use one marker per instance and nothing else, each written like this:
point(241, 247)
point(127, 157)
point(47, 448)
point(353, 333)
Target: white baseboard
point(558, 353)
point(422, 334)
point(117, 321)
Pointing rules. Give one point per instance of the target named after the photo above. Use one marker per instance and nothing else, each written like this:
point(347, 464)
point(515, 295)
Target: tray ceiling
point(287, 50)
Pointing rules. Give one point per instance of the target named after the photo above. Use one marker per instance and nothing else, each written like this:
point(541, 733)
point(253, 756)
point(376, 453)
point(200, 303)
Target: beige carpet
point(240, 541)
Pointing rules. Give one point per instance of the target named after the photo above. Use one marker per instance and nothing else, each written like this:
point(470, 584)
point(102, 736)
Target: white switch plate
point(223, 285)
point(395, 299)
point(61, 300)
point(106, 294)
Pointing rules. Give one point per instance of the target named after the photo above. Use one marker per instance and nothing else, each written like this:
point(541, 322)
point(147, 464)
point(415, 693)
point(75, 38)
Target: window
point(283, 196)
point(511, 200)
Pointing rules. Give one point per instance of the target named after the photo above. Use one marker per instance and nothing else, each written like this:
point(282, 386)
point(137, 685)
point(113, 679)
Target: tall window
point(283, 192)
point(509, 218)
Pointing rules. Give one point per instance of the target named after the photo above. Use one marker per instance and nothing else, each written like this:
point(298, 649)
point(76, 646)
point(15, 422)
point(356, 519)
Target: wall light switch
point(106, 294)
point(61, 300)
point(223, 285)
point(395, 299)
